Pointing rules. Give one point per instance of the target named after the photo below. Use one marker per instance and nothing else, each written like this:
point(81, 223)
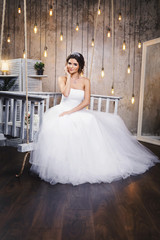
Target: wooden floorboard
point(31, 209)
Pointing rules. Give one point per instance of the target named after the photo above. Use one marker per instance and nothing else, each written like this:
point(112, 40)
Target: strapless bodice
point(75, 97)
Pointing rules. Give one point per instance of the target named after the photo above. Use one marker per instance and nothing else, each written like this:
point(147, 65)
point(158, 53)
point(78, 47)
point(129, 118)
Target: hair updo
point(80, 59)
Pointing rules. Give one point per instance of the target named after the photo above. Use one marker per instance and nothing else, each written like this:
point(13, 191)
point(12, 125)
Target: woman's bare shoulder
point(86, 80)
point(62, 79)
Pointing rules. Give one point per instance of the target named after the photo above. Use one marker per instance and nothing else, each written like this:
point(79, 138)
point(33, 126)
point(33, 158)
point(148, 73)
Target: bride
point(76, 145)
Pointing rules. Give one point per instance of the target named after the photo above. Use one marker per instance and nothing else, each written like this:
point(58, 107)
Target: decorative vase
point(40, 71)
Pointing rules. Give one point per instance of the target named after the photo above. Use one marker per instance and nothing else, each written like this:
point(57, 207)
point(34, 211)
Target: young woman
point(76, 145)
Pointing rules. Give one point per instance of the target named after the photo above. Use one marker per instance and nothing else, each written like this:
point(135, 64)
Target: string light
point(19, 7)
point(99, 11)
point(8, 35)
point(24, 54)
point(124, 45)
point(109, 29)
point(112, 90)
point(109, 33)
point(77, 25)
point(129, 69)
point(102, 72)
point(139, 44)
point(61, 37)
point(35, 28)
point(45, 51)
point(8, 38)
point(92, 43)
point(51, 11)
point(132, 99)
point(120, 15)
point(35, 24)
point(61, 34)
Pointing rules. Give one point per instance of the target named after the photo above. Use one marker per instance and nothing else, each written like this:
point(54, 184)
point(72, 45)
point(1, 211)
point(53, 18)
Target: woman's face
point(72, 65)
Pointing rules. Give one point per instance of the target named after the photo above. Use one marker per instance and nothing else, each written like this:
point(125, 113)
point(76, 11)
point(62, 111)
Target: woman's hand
point(66, 71)
point(64, 113)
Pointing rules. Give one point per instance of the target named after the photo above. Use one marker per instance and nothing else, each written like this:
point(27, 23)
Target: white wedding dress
point(86, 146)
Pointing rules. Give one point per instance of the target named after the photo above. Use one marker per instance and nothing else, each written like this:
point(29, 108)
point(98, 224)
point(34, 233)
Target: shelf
point(38, 76)
point(5, 76)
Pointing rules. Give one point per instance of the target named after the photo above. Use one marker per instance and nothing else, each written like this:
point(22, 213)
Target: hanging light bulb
point(99, 11)
point(102, 72)
point(24, 54)
point(8, 38)
point(35, 28)
point(77, 27)
point(92, 43)
point(139, 44)
point(109, 33)
point(129, 69)
point(112, 90)
point(61, 37)
point(133, 99)
point(124, 45)
point(51, 11)
point(120, 17)
point(45, 51)
point(19, 8)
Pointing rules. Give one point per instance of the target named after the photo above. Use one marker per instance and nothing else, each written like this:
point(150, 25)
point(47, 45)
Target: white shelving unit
point(38, 76)
point(5, 76)
point(17, 69)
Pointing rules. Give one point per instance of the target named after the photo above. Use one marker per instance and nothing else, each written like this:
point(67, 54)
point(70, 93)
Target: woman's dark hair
point(80, 59)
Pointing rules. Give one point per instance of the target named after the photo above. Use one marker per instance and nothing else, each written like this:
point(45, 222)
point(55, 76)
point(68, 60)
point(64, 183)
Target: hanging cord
point(90, 73)
point(124, 20)
point(55, 60)
point(103, 35)
point(72, 28)
point(82, 25)
point(134, 47)
point(67, 30)
point(40, 32)
point(87, 34)
point(2, 28)
point(14, 28)
point(26, 80)
point(113, 43)
point(129, 31)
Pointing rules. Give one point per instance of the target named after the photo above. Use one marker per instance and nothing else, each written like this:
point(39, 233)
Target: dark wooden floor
point(31, 209)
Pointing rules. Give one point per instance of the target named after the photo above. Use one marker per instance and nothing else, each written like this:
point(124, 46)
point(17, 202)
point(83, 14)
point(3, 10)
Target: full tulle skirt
point(87, 146)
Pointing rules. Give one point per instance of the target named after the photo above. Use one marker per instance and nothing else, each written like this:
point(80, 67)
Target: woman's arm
point(84, 103)
point(65, 85)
